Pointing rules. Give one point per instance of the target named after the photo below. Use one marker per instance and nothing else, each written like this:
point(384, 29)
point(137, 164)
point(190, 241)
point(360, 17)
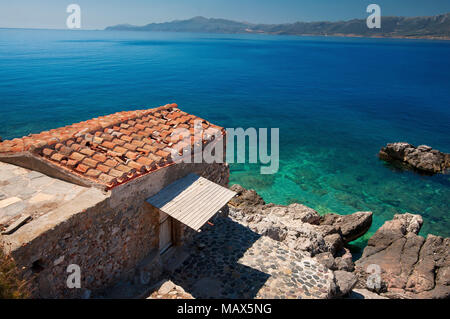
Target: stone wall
point(103, 241)
point(107, 239)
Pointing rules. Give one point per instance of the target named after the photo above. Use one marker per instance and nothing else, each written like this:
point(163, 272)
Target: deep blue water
point(335, 100)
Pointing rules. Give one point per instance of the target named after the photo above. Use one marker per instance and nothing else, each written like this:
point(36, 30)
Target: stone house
point(111, 195)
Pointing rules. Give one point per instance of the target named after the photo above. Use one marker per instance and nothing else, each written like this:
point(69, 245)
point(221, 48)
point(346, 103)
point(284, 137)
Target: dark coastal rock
point(334, 242)
point(411, 266)
point(351, 226)
point(297, 225)
point(295, 212)
point(306, 237)
point(342, 260)
point(422, 158)
point(251, 202)
point(245, 197)
point(345, 282)
point(326, 259)
point(303, 213)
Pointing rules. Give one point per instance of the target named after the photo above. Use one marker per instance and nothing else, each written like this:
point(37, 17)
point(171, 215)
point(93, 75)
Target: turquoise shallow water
point(335, 100)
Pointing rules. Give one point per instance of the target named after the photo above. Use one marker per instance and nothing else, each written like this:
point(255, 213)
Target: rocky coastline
point(409, 265)
point(422, 158)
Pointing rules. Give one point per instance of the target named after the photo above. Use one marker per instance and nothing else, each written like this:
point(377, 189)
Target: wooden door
point(165, 232)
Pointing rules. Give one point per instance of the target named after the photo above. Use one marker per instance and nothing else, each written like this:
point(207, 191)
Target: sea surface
point(337, 101)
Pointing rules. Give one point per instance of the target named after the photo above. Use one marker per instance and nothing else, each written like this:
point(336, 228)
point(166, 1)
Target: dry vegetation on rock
point(11, 286)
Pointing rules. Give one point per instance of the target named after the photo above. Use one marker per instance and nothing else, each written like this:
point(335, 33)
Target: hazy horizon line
point(169, 21)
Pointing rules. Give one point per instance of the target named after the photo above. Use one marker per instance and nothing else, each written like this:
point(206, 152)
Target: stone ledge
point(27, 233)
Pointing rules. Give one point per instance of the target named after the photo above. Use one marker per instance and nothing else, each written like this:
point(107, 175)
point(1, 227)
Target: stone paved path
point(231, 261)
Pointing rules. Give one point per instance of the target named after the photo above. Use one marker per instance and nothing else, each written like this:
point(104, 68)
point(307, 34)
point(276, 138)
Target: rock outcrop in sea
point(410, 265)
point(422, 158)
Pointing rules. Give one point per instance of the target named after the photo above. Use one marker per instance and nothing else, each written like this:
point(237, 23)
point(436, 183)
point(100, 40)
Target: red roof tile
point(113, 149)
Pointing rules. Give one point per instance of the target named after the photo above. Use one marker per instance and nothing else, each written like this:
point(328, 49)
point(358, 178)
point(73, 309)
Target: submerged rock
point(422, 158)
point(410, 266)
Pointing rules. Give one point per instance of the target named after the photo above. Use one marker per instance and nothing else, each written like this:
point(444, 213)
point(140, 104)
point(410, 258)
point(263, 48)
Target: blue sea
point(337, 101)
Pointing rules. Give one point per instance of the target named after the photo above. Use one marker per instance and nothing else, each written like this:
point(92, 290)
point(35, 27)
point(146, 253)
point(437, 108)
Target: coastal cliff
point(303, 230)
point(410, 266)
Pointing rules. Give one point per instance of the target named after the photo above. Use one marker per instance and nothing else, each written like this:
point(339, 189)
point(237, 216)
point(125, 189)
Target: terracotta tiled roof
point(113, 149)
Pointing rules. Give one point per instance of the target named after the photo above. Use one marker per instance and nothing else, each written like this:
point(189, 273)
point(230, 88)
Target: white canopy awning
point(192, 200)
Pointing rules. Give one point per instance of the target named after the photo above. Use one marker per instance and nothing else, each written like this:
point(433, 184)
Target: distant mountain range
point(416, 27)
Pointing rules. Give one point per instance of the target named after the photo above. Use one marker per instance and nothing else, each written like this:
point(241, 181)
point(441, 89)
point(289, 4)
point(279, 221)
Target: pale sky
point(97, 14)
